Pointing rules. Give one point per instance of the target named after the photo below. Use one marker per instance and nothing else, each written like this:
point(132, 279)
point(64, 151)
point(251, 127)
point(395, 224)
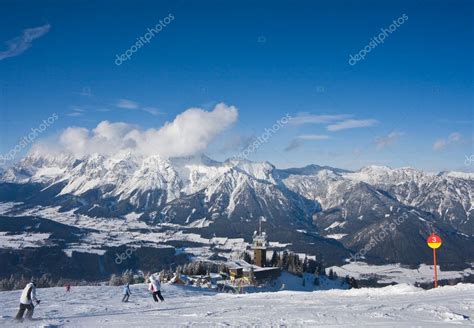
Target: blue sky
point(412, 95)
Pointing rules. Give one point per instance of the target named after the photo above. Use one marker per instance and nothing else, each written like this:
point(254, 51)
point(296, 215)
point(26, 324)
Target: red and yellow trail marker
point(434, 242)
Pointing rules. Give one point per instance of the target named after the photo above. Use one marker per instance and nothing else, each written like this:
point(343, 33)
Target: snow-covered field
point(395, 273)
point(113, 232)
point(400, 305)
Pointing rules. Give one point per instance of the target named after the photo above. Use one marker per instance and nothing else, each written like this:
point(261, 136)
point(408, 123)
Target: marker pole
point(435, 271)
point(434, 242)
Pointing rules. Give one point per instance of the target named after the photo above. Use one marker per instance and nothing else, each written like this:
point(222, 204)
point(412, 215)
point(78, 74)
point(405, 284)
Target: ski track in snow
point(393, 306)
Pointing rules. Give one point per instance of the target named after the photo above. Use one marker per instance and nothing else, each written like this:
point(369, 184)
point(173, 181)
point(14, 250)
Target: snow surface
point(27, 239)
point(100, 306)
point(395, 273)
point(336, 235)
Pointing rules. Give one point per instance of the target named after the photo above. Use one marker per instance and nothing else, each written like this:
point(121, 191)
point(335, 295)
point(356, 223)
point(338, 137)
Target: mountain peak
point(312, 169)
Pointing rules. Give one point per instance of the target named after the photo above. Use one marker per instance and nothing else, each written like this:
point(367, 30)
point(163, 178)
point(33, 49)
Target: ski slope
point(101, 306)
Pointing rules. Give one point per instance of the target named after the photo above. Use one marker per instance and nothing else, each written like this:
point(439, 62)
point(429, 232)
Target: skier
point(155, 288)
point(126, 292)
point(26, 301)
point(353, 283)
point(68, 288)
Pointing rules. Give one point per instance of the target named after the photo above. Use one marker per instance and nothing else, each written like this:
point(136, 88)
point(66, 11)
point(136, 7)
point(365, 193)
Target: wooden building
point(259, 247)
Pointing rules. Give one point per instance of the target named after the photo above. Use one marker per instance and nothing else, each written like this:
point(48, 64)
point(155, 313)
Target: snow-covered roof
point(246, 266)
point(238, 264)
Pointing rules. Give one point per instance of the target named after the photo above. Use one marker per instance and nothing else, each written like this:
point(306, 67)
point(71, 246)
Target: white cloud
point(294, 144)
point(76, 112)
point(351, 124)
point(313, 137)
point(452, 139)
point(305, 118)
point(387, 141)
point(440, 144)
point(189, 133)
point(127, 104)
point(152, 110)
point(20, 44)
point(336, 122)
point(130, 104)
point(299, 140)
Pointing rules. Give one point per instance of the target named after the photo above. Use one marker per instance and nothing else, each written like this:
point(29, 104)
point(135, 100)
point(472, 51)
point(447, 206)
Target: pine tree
point(274, 259)
point(284, 260)
point(305, 264)
point(246, 257)
point(21, 283)
point(147, 276)
point(347, 280)
point(321, 270)
point(186, 269)
point(201, 270)
point(353, 282)
point(115, 280)
point(7, 283)
point(127, 277)
point(45, 281)
point(223, 268)
point(139, 280)
point(311, 266)
point(252, 276)
point(331, 274)
point(316, 281)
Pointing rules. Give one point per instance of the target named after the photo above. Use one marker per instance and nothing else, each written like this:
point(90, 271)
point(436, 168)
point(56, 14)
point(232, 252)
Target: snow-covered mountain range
point(314, 209)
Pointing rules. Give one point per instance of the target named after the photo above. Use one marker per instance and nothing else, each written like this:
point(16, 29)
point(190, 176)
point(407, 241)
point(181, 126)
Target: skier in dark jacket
point(126, 293)
point(28, 296)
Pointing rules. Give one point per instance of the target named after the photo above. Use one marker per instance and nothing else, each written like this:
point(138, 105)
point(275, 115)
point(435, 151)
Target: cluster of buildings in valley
point(238, 273)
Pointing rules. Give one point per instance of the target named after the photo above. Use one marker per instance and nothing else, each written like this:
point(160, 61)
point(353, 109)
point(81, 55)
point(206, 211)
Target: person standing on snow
point(155, 288)
point(126, 292)
point(26, 301)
